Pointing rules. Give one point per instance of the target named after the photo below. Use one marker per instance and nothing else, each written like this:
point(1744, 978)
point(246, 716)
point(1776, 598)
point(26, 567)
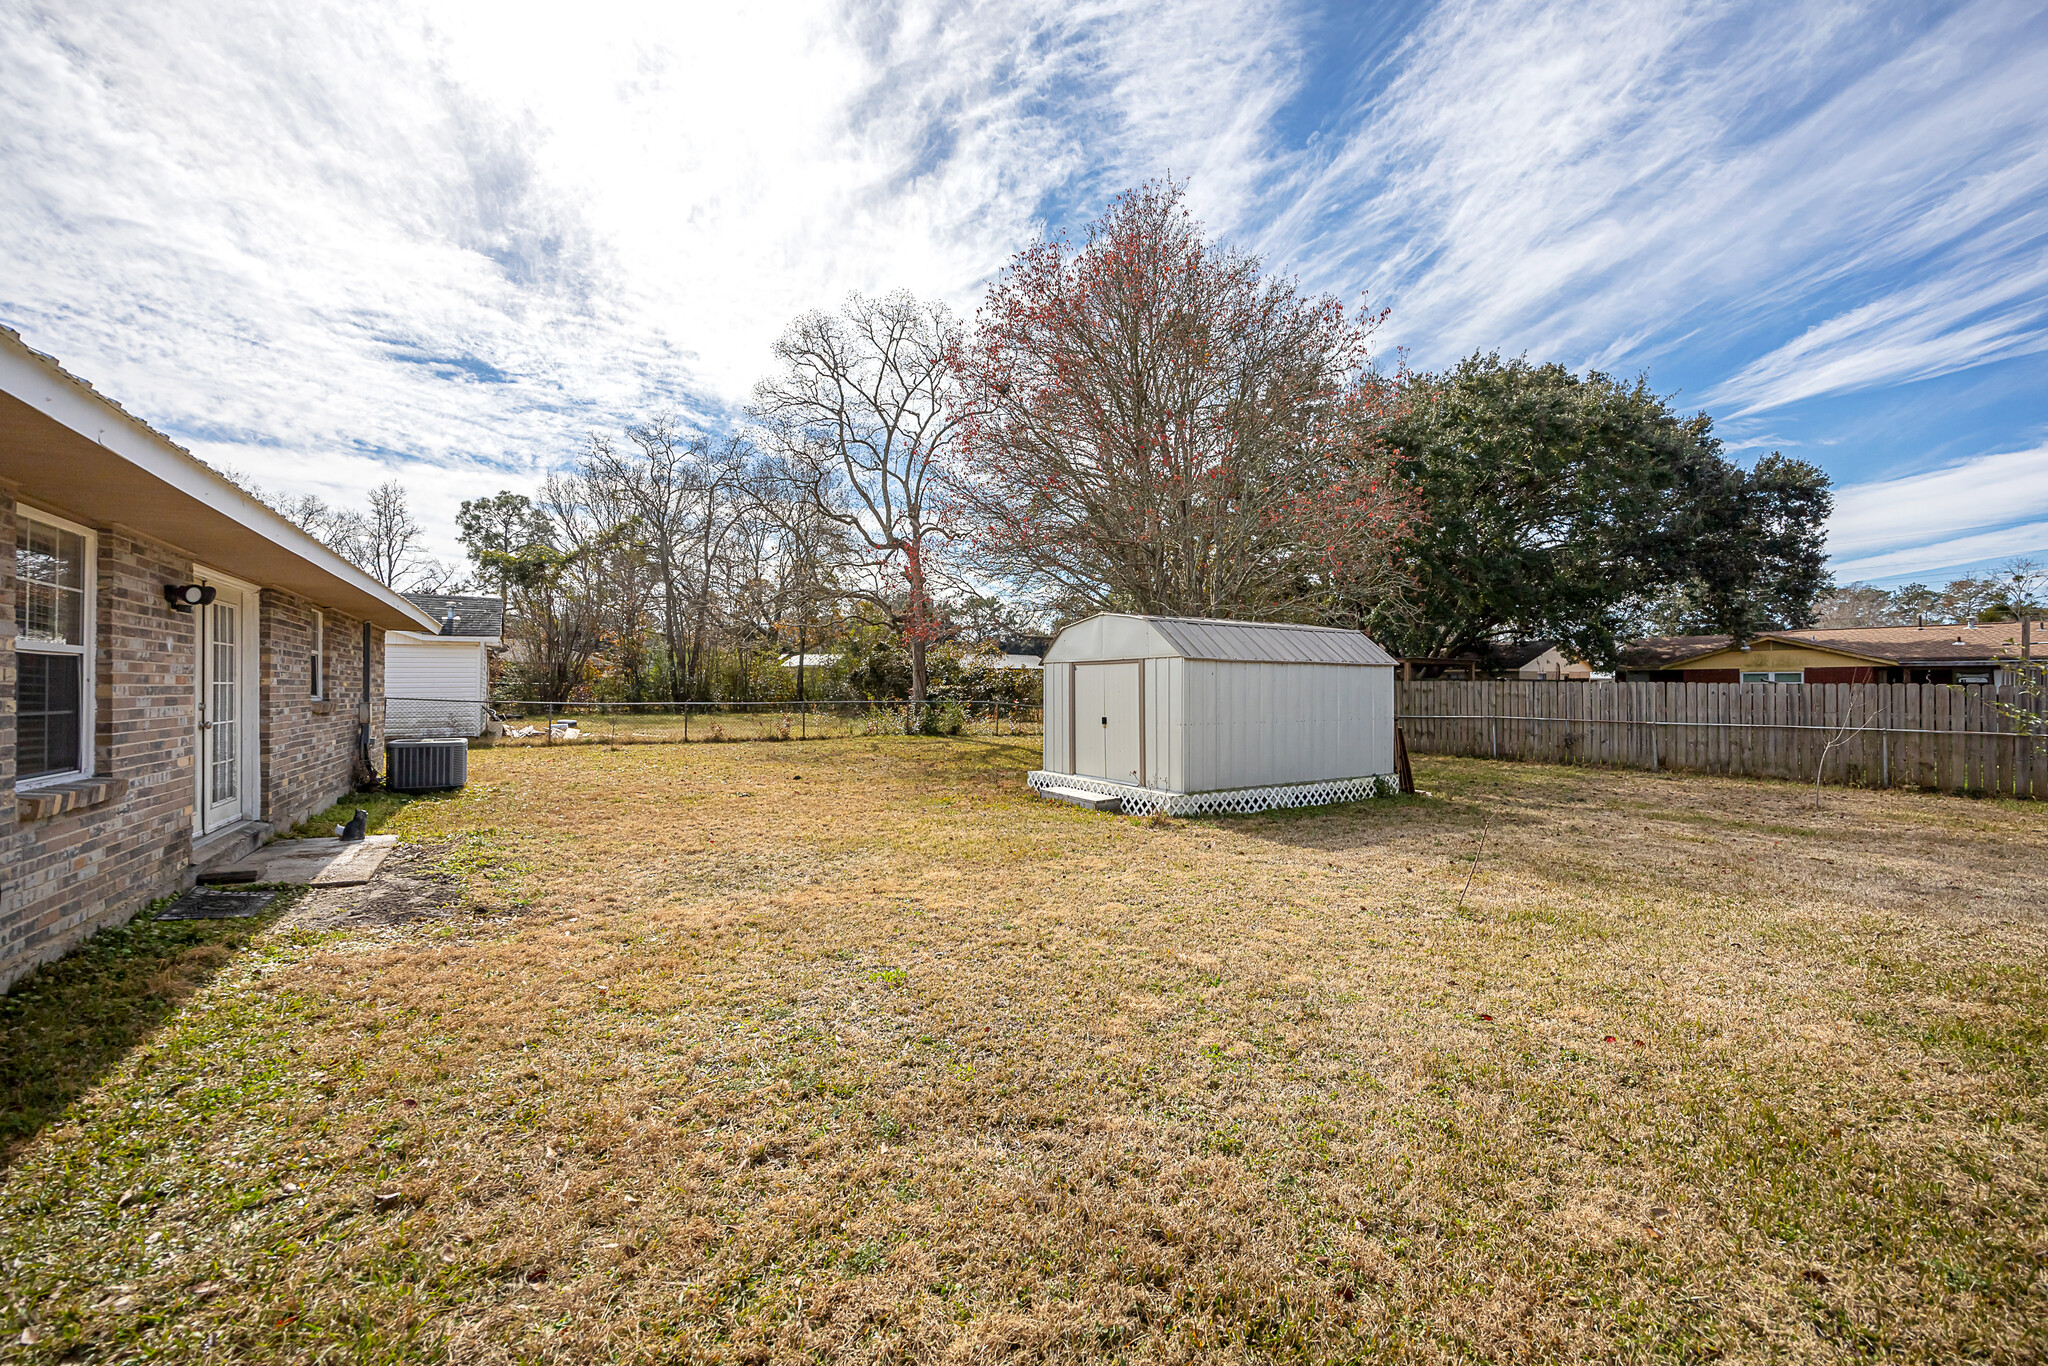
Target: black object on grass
point(214, 903)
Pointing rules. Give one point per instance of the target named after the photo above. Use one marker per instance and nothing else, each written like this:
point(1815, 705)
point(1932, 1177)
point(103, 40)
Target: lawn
point(854, 1051)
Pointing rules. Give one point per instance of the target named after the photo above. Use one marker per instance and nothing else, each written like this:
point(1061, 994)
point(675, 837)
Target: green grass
point(64, 1025)
point(383, 808)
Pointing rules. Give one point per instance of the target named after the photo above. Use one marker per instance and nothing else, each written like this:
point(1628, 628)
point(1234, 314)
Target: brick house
point(142, 736)
point(1974, 653)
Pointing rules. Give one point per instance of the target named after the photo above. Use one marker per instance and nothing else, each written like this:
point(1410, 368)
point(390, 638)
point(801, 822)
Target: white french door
point(229, 777)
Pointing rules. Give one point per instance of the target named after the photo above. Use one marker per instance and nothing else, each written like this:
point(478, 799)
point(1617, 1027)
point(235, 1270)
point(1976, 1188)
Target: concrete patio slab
point(322, 862)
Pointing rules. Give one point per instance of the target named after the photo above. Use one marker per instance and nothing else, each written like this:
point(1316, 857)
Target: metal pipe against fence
point(1729, 725)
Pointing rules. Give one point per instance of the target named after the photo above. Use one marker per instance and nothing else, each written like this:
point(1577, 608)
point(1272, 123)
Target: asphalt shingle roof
point(473, 616)
point(1930, 644)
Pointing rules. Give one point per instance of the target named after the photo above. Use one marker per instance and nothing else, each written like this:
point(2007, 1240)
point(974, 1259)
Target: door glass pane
point(223, 734)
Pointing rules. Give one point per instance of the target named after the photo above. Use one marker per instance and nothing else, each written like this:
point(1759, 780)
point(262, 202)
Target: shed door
point(1106, 720)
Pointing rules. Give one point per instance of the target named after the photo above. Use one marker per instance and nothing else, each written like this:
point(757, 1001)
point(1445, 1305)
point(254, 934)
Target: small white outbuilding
point(440, 685)
point(1188, 715)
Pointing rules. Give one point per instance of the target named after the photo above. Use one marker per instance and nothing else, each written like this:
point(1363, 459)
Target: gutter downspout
point(363, 711)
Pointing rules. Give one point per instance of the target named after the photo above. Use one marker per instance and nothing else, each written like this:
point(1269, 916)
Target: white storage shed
point(1187, 715)
point(438, 685)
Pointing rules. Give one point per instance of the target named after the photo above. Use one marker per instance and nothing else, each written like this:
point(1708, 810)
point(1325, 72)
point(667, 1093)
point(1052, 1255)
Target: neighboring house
point(436, 683)
point(1011, 652)
point(181, 669)
point(1526, 660)
point(1015, 652)
point(1849, 654)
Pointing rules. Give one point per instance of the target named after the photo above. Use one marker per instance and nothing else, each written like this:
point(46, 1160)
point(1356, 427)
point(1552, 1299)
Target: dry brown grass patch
point(855, 1051)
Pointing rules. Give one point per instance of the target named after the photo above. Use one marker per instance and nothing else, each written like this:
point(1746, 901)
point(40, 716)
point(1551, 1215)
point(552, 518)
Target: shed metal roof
point(1261, 642)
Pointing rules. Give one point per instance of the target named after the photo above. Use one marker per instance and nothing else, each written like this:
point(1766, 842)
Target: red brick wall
point(1858, 674)
point(64, 876)
point(309, 748)
point(68, 874)
point(1708, 675)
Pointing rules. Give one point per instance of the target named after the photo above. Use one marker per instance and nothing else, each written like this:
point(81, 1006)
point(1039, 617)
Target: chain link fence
point(511, 722)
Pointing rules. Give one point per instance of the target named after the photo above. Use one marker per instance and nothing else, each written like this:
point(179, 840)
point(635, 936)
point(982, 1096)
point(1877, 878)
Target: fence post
point(1656, 715)
point(551, 723)
point(686, 723)
point(803, 720)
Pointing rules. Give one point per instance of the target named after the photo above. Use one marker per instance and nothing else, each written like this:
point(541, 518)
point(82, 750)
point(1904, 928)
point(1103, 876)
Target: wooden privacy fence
point(1866, 734)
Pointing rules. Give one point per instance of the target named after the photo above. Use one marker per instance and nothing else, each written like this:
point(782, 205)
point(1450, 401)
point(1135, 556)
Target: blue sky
point(328, 245)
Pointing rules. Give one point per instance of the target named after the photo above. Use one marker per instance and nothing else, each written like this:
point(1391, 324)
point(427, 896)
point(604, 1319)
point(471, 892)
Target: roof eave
point(68, 448)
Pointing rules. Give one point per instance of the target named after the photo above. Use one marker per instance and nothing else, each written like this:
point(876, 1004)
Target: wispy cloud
point(381, 237)
point(1607, 183)
point(1993, 505)
point(1986, 550)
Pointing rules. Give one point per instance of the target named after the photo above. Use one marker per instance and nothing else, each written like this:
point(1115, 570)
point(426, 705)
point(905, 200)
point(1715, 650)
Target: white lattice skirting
point(1146, 801)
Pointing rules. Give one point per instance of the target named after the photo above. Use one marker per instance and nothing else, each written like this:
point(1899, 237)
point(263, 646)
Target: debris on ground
point(216, 903)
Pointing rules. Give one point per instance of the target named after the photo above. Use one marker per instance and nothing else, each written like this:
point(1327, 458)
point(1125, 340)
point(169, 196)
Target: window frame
point(1795, 678)
point(87, 652)
point(316, 657)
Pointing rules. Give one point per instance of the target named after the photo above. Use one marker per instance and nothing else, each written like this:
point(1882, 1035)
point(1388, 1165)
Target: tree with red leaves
point(1152, 425)
point(860, 421)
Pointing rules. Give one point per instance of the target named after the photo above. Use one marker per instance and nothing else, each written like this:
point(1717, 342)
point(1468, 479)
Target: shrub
point(942, 718)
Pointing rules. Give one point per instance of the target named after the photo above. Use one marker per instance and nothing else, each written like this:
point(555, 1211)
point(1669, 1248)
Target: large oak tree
point(1582, 509)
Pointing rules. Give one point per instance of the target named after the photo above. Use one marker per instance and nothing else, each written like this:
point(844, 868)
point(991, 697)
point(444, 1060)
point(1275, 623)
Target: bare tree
point(384, 539)
point(862, 416)
point(800, 556)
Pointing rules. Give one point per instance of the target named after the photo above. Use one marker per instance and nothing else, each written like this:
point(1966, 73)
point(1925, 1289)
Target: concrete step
point(1089, 801)
point(229, 844)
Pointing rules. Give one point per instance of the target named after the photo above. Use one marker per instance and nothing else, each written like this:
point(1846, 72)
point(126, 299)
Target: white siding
point(435, 687)
point(1058, 719)
point(1264, 725)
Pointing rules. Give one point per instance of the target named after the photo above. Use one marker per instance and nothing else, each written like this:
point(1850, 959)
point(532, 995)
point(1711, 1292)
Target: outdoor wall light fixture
point(183, 597)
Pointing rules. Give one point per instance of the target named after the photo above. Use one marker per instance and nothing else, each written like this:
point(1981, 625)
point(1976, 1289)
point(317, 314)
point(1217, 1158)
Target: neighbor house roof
point(70, 450)
point(480, 617)
point(1251, 642)
point(1890, 645)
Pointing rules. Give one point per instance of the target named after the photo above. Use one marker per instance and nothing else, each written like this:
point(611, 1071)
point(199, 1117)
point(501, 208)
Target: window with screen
point(1798, 676)
point(53, 649)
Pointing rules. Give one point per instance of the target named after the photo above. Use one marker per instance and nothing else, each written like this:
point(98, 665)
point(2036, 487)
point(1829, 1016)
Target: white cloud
point(1988, 506)
point(1604, 183)
point(1987, 550)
